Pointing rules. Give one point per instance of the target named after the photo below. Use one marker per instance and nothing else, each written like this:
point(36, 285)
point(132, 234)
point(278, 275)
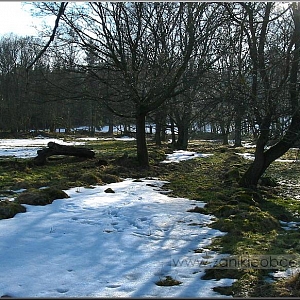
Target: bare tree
point(143, 50)
point(261, 24)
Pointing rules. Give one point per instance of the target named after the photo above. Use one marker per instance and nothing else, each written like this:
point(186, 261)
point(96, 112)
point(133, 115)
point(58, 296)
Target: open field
point(257, 223)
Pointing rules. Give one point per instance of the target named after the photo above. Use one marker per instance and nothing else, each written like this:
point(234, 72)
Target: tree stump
point(57, 149)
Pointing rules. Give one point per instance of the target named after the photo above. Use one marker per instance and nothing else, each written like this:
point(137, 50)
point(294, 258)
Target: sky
point(17, 19)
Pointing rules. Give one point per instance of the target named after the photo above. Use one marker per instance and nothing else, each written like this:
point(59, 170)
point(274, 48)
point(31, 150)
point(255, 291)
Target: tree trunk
point(224, 134)
point(163, 134)
point(52, 127)
point(225, 139)
point(142, 150)
point(157, 134)
point(257, 168)
point(255, 171)
point(150, 129)
point(158, 128)
point(183, 136)
point(110, 126)
point(264, 158)
point(173, 131)
point(238, 131)
point(57, 149)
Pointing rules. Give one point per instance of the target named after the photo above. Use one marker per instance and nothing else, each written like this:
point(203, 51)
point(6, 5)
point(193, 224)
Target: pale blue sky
point(17, 19)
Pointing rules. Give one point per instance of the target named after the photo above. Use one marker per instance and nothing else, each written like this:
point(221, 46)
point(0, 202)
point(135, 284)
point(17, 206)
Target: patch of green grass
point(40, 196)
point(168, 281)
point(283, 209)
point(250, 218)
point(9, 209)
point(66, 171)
point(113, 148)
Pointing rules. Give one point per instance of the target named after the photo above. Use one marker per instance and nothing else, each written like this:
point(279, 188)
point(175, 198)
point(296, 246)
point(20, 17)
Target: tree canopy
point(227, 68)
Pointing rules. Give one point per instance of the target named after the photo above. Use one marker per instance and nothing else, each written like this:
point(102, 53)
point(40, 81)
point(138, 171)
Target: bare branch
point(61, 11)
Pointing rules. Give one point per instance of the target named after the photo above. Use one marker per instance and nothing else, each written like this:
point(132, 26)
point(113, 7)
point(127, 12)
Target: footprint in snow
point(133, 276)
point(113, 286)
point(62, 290)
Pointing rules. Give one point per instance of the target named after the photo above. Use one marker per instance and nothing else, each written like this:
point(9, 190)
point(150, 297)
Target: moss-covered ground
point(250, 218)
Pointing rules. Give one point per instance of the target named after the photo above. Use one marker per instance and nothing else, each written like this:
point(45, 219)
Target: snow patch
point(95, 244)
point(180, 155)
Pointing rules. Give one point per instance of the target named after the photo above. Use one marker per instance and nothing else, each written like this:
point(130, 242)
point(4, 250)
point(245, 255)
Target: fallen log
point(57, 149)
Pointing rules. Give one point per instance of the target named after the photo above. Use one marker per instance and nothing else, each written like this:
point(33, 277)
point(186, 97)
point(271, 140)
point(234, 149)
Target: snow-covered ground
point(26, 148)
point(123, 138)
point(180, 155)
point(250, 156)
point(97, 244)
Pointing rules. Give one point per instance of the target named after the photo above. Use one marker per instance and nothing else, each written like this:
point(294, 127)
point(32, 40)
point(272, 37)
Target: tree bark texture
point(183, 136)
point(263, 158)
point(141, 143)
